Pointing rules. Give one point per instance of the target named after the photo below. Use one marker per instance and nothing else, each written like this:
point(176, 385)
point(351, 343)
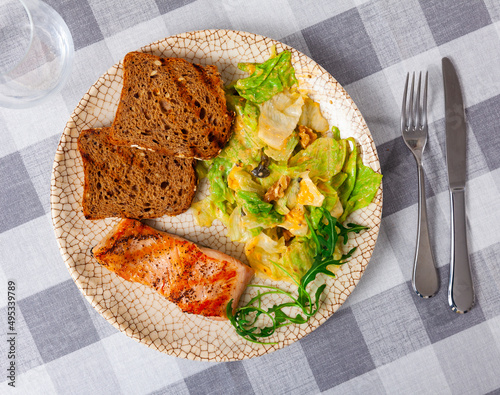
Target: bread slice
point(130, 182)
point(172, 106)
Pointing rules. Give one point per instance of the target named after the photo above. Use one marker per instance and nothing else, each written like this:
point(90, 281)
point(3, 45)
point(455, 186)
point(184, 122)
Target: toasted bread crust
point(172, 106)
point(130, 182)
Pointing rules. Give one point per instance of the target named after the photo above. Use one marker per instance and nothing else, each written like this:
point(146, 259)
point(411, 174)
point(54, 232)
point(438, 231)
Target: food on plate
point(130, 182)
point(282, 168)
point(284, 185)
point(199, 280)
point(172, 106)
point(295, 309)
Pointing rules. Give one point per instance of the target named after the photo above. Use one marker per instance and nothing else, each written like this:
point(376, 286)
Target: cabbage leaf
point(312, 118)
point(278, 118)
point(262, 251)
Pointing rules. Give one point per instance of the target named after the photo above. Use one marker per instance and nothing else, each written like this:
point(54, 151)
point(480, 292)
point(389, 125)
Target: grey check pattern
point(384, 339)
point(353, 56)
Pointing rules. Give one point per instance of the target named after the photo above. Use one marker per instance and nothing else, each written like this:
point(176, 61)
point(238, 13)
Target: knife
point(460, 288)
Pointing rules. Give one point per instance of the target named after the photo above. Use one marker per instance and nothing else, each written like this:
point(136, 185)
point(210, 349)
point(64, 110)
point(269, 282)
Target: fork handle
point(425, 279)
point(460, 288)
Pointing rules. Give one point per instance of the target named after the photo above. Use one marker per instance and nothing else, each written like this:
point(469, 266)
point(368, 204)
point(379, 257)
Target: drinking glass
point(36, 52)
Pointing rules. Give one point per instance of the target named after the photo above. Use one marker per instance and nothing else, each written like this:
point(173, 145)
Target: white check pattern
point(384, 339)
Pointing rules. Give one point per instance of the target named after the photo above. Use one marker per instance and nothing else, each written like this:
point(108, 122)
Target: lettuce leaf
point(323, 159)
point(291, 193)
point(280, 206)
point(332, 200)
point(336, 133)
point(241, 180)
point(365, 188)
point(247, 67)
point(244, 143)
point(262, 212)
point(250, 113)
point(338, 179)
point(299, 257)
point(277, 171)
point(315, 215)
point(219, 190)
point(202, 167)
point(237, 232)
point(350, 169)
point(252, 221)
point(204, 212)
point(252, 203)
point(284, 154)
point(268, 79)
point(262, 251)
point(233, 100)
point(236, 152)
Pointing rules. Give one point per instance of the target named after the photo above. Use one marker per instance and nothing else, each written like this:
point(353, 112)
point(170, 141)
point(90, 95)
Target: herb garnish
point(325, 237)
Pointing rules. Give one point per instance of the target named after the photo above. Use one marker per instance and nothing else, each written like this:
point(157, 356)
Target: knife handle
point(460, 288)
point(425, 279)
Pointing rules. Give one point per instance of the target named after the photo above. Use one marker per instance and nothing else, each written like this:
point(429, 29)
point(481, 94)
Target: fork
point(425, 280)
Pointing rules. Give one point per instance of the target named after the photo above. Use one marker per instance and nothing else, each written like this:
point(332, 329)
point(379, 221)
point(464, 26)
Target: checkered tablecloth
point(384, 339)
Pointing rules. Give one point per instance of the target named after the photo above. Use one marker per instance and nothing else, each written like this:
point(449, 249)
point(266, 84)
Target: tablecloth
point(384, 339)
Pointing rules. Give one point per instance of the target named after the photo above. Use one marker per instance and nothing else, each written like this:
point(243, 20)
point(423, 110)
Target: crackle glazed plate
point(137, 310)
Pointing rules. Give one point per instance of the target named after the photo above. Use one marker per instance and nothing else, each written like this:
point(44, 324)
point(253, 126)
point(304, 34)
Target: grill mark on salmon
point(198, 279)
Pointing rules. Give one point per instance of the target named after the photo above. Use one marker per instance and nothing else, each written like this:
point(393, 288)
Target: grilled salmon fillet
point(199, 280)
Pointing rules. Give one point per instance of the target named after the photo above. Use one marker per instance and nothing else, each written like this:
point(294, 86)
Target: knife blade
point(460, 287)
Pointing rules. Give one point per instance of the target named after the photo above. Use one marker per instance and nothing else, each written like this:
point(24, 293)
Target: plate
point(137, 310)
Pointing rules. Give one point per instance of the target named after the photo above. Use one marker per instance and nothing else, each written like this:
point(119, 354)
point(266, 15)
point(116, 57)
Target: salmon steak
point(199, 280)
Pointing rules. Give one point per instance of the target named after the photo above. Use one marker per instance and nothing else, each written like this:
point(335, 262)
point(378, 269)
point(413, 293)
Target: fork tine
point(411, 122)
point(424, 103)
point(403, 109)
point(418, 109)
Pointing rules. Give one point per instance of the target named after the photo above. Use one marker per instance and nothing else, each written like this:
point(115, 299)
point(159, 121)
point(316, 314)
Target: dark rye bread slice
point(130, 182)
point(172, 106)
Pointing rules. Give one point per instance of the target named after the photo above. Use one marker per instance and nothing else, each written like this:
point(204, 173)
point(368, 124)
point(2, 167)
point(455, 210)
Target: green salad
point(282, 170)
